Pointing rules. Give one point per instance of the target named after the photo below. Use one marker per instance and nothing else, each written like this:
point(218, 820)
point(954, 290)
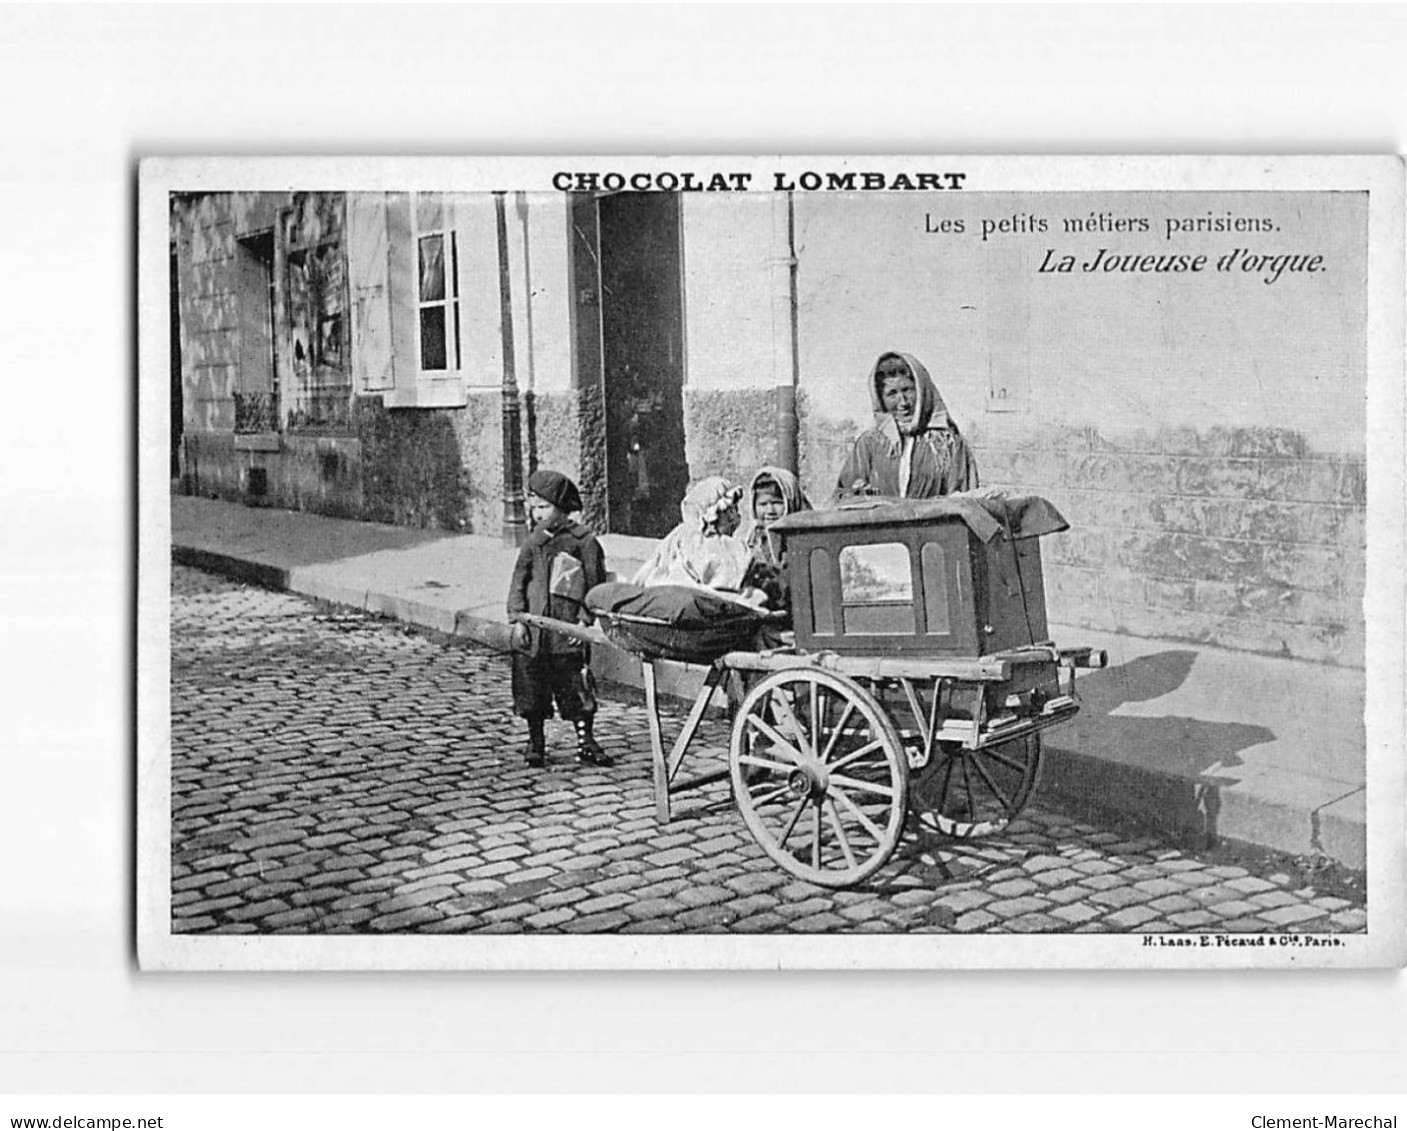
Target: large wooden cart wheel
point(972, 793)
point(819, 775)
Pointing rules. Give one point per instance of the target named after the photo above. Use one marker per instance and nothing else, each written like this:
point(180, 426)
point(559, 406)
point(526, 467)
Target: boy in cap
point(560, 561)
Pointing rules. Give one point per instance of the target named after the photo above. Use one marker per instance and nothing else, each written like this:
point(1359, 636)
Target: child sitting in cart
point(560, 561)
point(773, 494)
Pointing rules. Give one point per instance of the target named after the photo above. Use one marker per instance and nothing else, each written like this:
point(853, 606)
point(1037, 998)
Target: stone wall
point(1241, 538)
point(204, 236)
point(549, 439)
point(315, 473)
point(413, 472)
point(552, 434)
point(730, 433)
point(437, 468)
point(211, 468)
point(310, 470)
point(824, 446)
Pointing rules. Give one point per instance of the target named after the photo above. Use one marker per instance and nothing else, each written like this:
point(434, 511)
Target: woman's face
point(898, 395)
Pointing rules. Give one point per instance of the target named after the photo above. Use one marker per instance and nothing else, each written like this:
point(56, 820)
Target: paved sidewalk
point(1192, 740)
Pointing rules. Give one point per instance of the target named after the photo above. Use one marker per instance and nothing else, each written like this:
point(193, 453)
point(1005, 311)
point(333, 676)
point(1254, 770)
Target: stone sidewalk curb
point(263, 574)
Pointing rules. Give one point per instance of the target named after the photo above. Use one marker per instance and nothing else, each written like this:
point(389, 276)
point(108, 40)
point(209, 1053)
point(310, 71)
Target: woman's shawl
point(941, 460)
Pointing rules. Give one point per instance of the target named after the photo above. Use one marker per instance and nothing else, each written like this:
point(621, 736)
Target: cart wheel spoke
point(786, 717)
point(852, 775)
point(770, 733)
point(967, 785)
point(840, 836)
point(858, 786)
point(855, 755)
point(765, 763)
point(767, 796)
point(948, 765)
point(1002, 760)
point(791, 825)
point(837, 730)
point(855, 811)
point(986, 777)
point(976, 793)
point(816, 715)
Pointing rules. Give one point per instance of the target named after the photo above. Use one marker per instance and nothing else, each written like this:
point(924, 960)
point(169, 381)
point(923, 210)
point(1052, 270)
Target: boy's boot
point(537, 744)
point(588, 750)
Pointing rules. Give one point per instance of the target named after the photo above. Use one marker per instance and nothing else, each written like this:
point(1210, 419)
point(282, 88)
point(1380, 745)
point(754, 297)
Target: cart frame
point(874, 690)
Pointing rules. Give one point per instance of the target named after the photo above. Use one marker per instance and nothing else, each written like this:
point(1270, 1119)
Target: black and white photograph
point(902, 562)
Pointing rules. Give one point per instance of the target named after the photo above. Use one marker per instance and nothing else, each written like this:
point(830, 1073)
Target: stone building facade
point(346, 352)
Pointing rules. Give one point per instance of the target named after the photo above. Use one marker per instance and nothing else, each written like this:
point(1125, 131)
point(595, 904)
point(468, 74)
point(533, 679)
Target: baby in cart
point(704, 590)
point(691, 601)
point(704, 550)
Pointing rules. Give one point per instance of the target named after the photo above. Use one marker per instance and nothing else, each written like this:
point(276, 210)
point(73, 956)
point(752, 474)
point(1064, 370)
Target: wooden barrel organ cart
point(918, 676)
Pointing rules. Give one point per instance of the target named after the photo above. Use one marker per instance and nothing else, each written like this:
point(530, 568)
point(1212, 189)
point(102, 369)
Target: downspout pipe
point(520, 208)
point(788, 426)
point(515, 525)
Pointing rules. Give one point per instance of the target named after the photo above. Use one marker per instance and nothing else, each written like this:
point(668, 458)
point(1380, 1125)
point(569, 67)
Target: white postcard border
point(1383, 944)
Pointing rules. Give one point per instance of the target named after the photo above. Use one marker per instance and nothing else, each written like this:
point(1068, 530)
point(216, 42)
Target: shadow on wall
point(412, 468)
point(1158, 767)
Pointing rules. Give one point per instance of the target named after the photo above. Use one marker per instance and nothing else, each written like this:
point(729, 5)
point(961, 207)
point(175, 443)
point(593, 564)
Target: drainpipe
point(515, 525)
point(520, 208)
point(788, 426)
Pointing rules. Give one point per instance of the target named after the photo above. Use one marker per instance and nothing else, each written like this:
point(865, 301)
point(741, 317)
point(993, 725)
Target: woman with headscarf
point(703, 550)
point(914, 451)
point(773, 493)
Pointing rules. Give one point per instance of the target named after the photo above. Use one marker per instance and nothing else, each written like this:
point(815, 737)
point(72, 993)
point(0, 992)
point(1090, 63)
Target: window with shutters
point(438, 335)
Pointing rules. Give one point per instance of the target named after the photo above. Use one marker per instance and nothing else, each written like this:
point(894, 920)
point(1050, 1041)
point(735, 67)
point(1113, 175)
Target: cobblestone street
point(335, 773)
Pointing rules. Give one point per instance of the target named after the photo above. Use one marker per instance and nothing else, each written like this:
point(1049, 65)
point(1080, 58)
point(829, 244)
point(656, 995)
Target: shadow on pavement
point(1166, 770)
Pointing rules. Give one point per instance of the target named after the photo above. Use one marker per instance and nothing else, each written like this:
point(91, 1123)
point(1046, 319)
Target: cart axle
point(809, 782)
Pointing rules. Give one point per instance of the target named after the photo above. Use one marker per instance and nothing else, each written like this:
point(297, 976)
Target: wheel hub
point(809, 781)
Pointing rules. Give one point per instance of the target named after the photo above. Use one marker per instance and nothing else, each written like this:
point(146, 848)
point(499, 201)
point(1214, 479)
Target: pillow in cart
point(679, 605)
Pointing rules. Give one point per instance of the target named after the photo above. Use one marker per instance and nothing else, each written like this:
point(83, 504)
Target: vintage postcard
point(771, 562)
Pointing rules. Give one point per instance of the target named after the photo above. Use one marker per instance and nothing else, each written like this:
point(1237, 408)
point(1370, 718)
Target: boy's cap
point(556, 488)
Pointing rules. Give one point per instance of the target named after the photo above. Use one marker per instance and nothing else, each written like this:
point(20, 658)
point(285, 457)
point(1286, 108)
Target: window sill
point(440, 393)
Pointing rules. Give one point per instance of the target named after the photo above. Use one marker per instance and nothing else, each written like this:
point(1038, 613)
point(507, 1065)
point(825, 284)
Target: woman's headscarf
point(695, 552)
point(793, 500)
point(930, 413)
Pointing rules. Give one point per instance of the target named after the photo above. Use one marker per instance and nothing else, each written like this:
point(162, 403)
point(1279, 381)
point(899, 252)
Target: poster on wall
point(771, 562)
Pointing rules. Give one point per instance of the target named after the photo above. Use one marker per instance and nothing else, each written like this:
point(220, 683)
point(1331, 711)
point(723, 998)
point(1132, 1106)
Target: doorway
point(642, 360)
